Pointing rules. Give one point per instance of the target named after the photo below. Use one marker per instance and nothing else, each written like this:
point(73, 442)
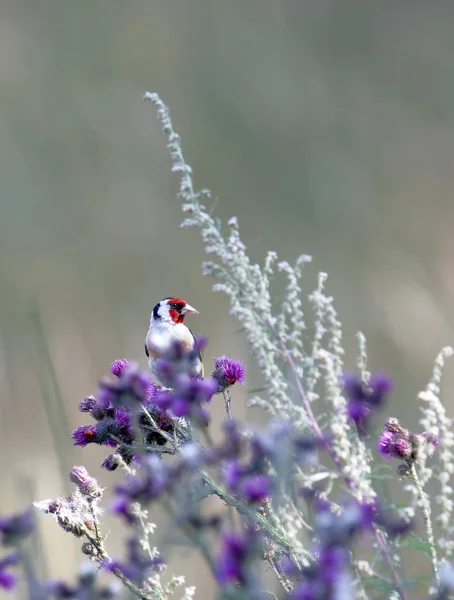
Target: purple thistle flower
point(16, 527)
point(131, 388)
point(256, 488)
point(119, 365)
point(186, 398)
point(397, 442)
point(333, 560)
point(362, 397)
point(8, 579)
point(104, 432)
point(87, 404)
point(395, 445)
point(122, 506)
point(111, 462)
point(402, 448)
point(227, 372)
point(379, 387)
point(180, 406)
point(232, 474)
point(163, 400)
point(122, 420)
point(84, 435)
point(232, 558)
point(236, 555)
point(358, 412)
point(385, 443)
point(87, 485)
point(98, 408)
point(373, 392)
point(138, 382)
point(106, 394)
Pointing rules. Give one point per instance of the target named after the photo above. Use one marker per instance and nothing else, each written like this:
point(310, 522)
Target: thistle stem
point(381, 543)
point(427, 521)
point(104, 557)
point(228, 407)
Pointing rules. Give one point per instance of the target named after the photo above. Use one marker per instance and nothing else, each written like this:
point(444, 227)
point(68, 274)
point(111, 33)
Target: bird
point(168, 333)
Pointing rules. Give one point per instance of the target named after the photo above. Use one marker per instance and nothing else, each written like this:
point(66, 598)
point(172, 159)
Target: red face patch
point(175, 306)
point(175, 316)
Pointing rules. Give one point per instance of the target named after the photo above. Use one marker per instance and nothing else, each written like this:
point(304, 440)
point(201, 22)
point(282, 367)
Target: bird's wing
point(200, 354)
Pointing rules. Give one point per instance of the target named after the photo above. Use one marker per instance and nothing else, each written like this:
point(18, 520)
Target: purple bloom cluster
point(13, 531)
point(329, 577)
point(363, 398)
point(255, 488)
point(397, 442)
point(245, 482)
point(117, 411)
point(119, 365)
point(237, 550)
point(15, 528)
point(186, 398)
point(142, 422)
point(117, 407)
point(7, 577)
point(176, 361)
point(186, 395)
point(244, 463)
point(246, 470)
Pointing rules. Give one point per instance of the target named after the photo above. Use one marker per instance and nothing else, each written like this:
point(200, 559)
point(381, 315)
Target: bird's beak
point(189, 309)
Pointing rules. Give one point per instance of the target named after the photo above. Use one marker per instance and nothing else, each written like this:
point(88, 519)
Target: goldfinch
point(167, 331)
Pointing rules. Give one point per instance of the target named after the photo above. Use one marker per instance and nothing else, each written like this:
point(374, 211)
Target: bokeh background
point(327, 127)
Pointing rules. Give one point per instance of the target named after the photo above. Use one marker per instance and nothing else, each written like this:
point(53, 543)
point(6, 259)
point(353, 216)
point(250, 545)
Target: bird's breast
point(160, 340)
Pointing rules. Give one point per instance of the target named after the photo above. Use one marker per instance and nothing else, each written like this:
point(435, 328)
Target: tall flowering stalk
point(318, 369)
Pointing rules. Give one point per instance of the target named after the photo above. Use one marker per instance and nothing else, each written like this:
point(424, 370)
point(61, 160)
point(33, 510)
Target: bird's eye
point(175, 306)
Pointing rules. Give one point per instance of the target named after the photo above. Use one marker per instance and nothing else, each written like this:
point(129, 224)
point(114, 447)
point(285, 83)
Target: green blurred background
point(327, 127)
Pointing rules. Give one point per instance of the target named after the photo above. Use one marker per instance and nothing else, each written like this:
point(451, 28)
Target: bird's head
point(172, 310)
